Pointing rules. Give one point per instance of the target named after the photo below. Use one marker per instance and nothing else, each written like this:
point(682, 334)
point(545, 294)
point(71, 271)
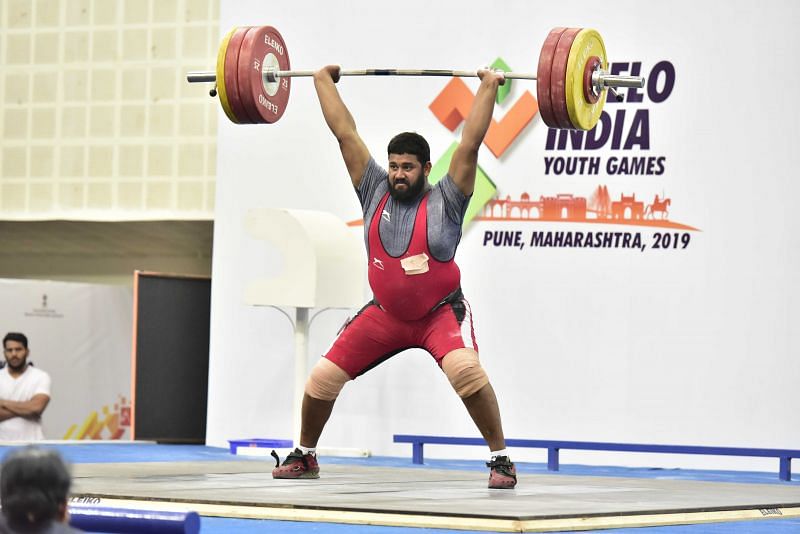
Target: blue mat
point(121, 453)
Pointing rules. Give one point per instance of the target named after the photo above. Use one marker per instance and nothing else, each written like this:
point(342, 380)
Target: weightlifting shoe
point(502, 473)
point(297, 465)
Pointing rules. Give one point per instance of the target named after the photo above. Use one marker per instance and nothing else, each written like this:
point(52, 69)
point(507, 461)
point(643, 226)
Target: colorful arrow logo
point(452, 106)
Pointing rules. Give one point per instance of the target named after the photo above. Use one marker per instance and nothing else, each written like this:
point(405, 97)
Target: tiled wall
point(97, 119)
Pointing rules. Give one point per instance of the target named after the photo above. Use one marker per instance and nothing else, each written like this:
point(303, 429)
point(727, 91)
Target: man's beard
point(22, 364)
point(410, 193)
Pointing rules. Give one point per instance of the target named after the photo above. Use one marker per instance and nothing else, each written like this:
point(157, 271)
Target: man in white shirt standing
point(24, 392)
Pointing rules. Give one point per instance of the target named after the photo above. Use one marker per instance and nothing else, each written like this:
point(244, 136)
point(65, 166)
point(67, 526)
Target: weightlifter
point(412, 230)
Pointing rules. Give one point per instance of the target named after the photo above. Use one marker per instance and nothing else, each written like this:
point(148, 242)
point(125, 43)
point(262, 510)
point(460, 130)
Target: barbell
point(253, 76)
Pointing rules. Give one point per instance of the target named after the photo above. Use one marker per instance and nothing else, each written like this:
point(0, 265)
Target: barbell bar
point(253, 76)
point(271, 76)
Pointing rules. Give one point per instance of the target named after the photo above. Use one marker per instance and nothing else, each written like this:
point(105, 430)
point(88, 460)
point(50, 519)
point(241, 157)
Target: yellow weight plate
point(223, 95)
point(582, 113)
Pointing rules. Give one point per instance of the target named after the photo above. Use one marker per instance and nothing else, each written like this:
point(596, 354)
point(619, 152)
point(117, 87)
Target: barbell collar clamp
point(613, 80)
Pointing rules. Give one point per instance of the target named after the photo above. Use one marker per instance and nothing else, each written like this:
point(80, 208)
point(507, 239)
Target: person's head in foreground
point(34, 485)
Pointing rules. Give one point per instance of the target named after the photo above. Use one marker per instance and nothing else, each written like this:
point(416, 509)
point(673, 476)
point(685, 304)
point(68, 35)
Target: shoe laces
point(292, 457)
point(503, 465)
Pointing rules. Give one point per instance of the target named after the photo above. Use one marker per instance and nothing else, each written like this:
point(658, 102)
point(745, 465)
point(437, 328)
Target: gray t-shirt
point(446, 208)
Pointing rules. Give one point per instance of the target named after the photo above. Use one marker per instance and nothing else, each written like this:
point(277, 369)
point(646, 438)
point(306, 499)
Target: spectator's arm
point(5, 415)
point(31, 409)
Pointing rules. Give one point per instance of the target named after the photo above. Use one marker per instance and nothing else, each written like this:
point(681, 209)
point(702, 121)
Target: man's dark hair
point(34, 485)
point(16, 336)
point(410, 143)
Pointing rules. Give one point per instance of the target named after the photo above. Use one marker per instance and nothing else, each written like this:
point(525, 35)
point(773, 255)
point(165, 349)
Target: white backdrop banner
point(635, 283)
point(80, 334)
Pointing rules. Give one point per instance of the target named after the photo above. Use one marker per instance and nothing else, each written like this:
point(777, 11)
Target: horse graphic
point(658, 206)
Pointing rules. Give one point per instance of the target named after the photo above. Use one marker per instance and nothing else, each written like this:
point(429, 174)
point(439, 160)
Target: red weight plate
point(232, 75)
point(244, 67)
point(588, 93)
point(543, 77)
point(558, 78)
point(263, 47)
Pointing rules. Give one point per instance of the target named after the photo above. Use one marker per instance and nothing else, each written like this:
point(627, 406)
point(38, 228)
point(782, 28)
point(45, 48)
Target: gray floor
point(430, 492)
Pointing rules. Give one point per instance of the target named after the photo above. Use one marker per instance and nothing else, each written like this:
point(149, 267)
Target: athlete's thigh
point(449, 328)
point(369, 338)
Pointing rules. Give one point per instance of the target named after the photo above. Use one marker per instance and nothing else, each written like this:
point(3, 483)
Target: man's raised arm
point(341, 123)
point(464, 164)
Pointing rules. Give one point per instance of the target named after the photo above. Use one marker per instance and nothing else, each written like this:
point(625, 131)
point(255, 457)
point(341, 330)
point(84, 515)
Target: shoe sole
point(304, 475)
point(511, 486)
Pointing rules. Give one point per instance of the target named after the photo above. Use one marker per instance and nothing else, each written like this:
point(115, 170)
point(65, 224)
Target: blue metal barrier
point(121, 520)
point(553, 447)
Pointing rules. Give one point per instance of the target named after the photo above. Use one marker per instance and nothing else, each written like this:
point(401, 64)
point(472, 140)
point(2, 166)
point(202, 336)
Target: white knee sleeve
point(326, 380)
point(464, 371)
